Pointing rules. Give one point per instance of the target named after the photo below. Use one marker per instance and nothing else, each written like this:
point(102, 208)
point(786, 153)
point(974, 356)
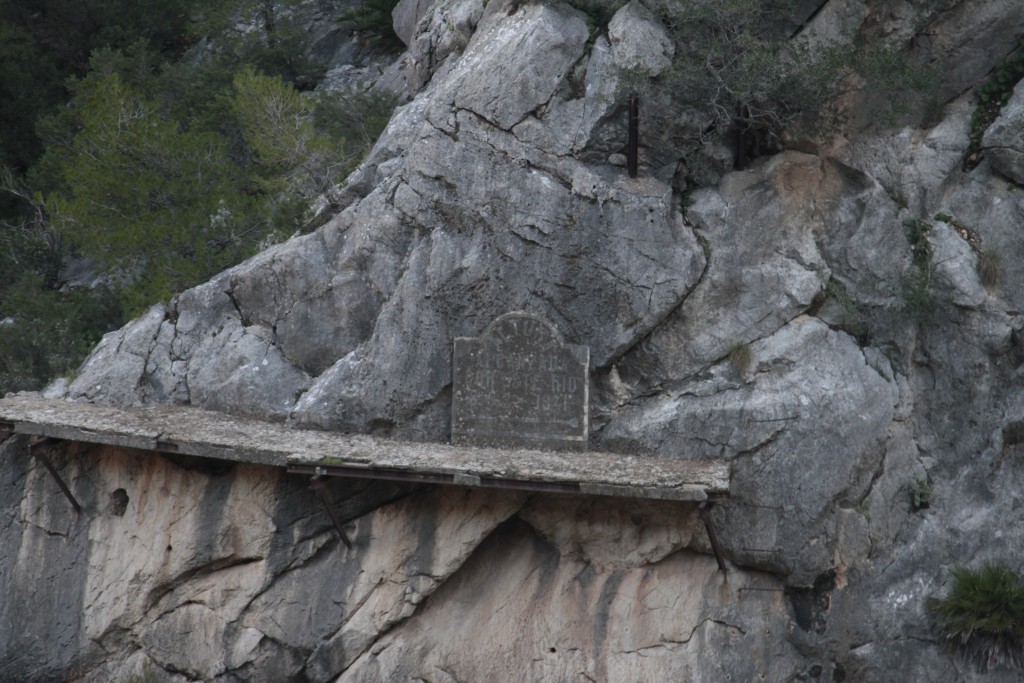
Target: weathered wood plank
point(192, 431)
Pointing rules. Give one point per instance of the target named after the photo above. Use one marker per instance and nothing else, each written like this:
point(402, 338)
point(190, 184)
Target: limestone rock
point(406, 15)
point(517, 82)
point(834, 23)
point(759, 318)
point(966, 41)
point(1003, 142)
point(774, 233)
point(615, 535)
point(993, 208)
point(956, 266)
point(547, 617)
point(915, 167)
point(796, 455)
point(638, 41)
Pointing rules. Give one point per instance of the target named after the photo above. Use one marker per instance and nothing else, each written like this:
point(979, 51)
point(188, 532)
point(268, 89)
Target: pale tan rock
point(533, 615)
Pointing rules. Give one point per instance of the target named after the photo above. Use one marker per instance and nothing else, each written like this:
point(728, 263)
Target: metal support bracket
point(316, 484)
point(38, 450)
point(704, 513)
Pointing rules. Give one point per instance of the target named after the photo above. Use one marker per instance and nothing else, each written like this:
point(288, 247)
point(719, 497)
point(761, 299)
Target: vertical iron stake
point(704, 512)
point(317, 485)
point(634, 135)
point(742, 122)
point(37, 449)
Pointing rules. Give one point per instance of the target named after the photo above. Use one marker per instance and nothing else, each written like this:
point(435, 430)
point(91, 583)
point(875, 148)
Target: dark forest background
point(147, 146)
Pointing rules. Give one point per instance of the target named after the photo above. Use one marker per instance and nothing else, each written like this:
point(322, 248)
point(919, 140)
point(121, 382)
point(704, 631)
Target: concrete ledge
point(207, 434)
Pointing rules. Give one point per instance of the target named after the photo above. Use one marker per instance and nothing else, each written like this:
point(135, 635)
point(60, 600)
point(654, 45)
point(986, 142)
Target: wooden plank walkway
point(207, 434)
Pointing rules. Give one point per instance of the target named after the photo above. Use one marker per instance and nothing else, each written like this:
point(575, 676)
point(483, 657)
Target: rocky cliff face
point(780, 317)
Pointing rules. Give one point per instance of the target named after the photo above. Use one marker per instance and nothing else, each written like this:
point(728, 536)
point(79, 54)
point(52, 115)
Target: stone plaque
point(519, 385)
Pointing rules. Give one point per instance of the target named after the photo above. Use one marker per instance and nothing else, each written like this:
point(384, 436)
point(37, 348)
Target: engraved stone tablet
point(519, 385)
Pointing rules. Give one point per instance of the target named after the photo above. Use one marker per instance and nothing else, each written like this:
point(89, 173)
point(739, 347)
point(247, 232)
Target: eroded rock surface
point(841, 326)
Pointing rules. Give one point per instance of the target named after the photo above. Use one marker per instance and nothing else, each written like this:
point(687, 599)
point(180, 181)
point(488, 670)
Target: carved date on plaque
point(520, 385)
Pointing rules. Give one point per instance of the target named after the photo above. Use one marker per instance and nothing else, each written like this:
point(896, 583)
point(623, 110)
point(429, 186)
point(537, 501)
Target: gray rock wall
point(776, 318)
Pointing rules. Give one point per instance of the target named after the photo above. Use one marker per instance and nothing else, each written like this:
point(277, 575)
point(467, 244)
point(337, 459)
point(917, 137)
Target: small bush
point(355, 117)
point(992, 95)
point(46, 334)
point(990, 268)
point(277, 123)
point(982, 616)
point(916, 288)
point(918, 230)
point(741, 356)
point(920, 494)
point(373, 17)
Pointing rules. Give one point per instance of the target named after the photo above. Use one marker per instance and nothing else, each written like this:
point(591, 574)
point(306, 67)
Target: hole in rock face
point(811, 605)
point(169, 548)
point(752, 140)
point(118, 502)
point(381, 427)
point(552, 650)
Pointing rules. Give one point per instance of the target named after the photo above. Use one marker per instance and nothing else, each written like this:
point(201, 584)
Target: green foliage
point(982, 616)
point(42, 43)
point(46, 333)
point(741, 356)
point(739, 81)
point(730, 64)
point(159, 171)
point(163, 192)
point(599, 12)
point(277, 47)
point(355, 117)
point(894, 82)
point(28, 245)
point(158, 206)
point(374, 18)
point(918, 230)
point(920, 494)
point(30, 84)
point(916, 291)
point(917, 297)
point(277, 123)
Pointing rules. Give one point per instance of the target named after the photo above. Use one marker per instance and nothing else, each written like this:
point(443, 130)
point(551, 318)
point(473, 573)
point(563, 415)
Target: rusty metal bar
point(37, 449)
point(317, 486)
point(704, 513)
point(739, 161)
point(634, 135)
point(405, 475)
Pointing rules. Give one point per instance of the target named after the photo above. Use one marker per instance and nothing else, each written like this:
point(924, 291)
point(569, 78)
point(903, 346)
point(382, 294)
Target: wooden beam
point(208, 434)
